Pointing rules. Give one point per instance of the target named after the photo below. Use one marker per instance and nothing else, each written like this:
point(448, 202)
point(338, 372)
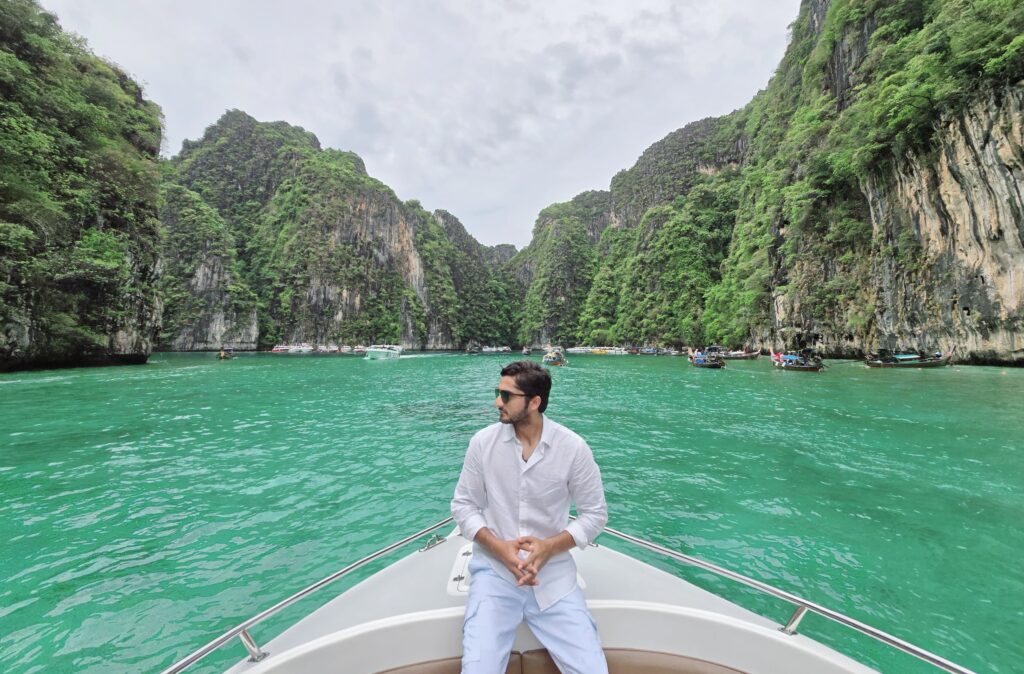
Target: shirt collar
point(547, 430)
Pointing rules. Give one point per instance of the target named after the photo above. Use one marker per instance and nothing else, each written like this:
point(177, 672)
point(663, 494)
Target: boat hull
point(800, 368)
point(931, 362)
point(741, 356)
point(383, 352)
point(394, 619)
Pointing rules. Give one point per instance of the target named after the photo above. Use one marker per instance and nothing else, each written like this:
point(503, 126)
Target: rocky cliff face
point(872, 193)
point(672, 166)
point(78, 182)
point(283, 241)
point(372, 232)
point(964, 205)
point(219, 323)
point(209, 305)
point(942, 265)
point(556, 270)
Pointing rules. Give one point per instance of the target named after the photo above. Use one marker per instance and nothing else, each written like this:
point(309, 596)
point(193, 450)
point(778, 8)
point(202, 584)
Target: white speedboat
point(407, 619)
point(383, 351)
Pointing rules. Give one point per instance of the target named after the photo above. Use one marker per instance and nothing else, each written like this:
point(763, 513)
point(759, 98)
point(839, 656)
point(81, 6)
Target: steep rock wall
point(219, 323)
point(965, 208)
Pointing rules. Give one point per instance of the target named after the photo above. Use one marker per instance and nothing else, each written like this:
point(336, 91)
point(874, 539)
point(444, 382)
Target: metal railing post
point(794, 620)
point(255, 654)
point(241, 629)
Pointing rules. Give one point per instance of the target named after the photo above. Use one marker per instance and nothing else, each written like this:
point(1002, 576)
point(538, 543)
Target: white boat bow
point(407, 618)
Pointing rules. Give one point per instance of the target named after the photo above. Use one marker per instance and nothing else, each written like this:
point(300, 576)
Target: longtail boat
point(797, 362)
point(709, 358)
point(909, 360)
point(740, 355)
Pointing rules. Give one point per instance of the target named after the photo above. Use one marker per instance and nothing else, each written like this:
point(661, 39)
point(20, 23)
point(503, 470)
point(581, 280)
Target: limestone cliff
point(964, 204)
point(940, 264)
point(869, 197)
point(299, 244)
point(78, 191)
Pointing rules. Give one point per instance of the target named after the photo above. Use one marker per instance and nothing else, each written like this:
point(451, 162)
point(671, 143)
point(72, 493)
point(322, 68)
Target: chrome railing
point(242, 630)
point(802, 605)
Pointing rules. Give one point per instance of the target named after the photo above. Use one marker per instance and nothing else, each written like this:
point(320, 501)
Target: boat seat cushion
point(452, 666)
point(629, 661)
point(620, 661)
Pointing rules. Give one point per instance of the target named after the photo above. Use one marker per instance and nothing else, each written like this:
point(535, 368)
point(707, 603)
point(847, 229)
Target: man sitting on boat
point(512, 501)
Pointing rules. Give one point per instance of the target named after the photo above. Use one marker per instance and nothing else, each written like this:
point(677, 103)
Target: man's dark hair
point(531, 378)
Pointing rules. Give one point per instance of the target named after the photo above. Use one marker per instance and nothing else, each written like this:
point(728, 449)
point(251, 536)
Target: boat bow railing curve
point(802, 605)
point(242, 630)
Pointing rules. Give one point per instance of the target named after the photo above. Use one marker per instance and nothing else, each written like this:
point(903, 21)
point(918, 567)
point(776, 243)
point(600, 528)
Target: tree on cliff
point(78, 181)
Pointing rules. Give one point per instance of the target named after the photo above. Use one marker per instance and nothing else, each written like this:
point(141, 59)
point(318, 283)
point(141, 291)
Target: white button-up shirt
point(514, 498)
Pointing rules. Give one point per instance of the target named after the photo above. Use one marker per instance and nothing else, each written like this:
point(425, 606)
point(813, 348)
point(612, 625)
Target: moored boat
point(740, 354)
point(383, 351)
point(407, 618)
point(798, 362)
point(555, 357)
point(708, 360)
point(909, 360)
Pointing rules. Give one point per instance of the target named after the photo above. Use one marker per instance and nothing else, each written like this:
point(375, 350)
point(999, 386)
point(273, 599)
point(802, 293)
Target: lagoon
point(147, 509)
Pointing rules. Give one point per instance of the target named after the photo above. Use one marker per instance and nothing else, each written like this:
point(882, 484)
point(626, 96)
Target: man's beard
point(508, 418)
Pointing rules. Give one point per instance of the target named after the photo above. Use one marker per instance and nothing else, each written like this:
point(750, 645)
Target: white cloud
point(490, 110)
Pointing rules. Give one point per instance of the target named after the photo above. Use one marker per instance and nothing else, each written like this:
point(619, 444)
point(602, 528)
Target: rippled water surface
point(147, 509)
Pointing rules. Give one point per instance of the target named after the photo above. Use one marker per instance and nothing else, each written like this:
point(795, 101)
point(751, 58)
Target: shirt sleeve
point(587, 493)
point(470, 494)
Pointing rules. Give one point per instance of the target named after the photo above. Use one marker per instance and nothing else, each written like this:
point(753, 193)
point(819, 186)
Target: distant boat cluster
point(372, 352)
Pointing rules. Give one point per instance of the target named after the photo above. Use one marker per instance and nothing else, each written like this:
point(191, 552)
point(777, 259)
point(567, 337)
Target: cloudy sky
point(490, 110)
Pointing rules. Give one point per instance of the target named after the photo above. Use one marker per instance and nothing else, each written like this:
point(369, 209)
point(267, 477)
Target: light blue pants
point(496, 607)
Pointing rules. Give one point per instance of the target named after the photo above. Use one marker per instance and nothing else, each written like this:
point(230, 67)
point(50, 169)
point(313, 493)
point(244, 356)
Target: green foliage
point(564, 262)
point(195, 237)
point(675, 257)
point(78, 181)
point(323, 251)
point(803, 226)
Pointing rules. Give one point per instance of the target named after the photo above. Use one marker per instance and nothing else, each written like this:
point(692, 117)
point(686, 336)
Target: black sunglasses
point(505, 395)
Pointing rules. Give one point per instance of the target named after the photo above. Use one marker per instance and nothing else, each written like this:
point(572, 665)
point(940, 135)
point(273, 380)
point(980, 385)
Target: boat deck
point(434, 580)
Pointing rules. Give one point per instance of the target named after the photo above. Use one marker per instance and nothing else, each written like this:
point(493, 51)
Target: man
point(512, 501)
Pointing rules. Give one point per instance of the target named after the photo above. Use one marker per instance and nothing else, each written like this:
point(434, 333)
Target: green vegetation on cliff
point(189, 224)
point(330, 254)
point(78, 190)
point(864, 91)
point(563, 260)
point(756, 226)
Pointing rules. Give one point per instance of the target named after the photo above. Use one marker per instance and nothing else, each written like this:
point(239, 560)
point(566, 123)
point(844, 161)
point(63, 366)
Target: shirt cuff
point(472, 526)
point(575, 530)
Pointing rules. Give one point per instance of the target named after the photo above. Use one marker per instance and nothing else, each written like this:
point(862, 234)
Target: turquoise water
point(147, 509)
